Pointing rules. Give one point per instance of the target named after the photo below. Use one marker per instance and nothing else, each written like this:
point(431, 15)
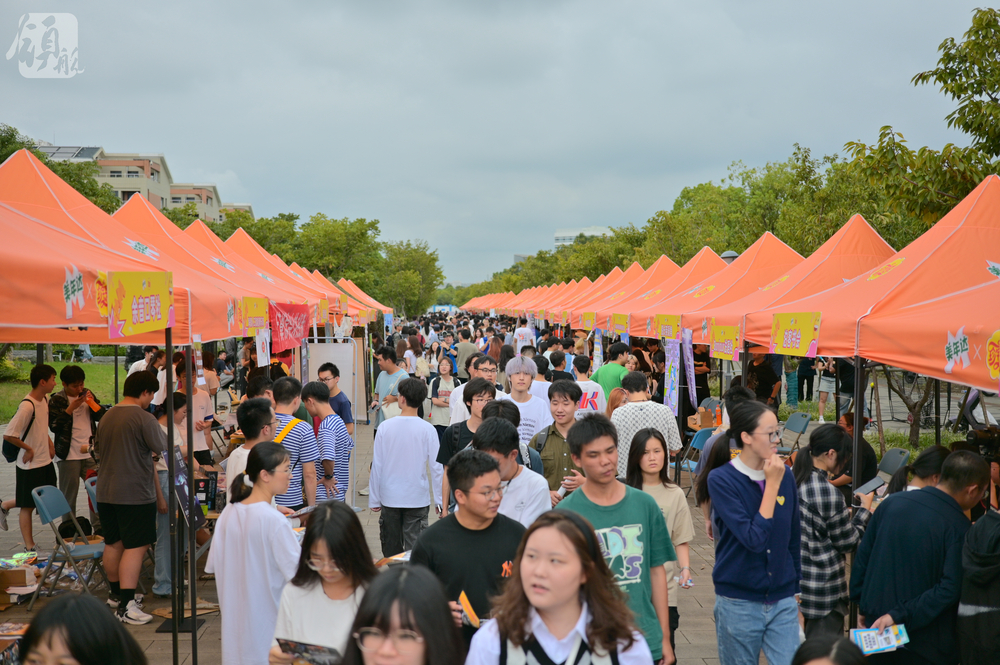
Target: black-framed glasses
point(403, 640)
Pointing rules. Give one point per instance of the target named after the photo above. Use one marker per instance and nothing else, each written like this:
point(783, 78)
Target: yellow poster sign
point(795, 334)
point(725, 342)
point(139, 302)
point(619, 323)
point(255, 316)
point(668, 326)
point(587, 320)
point(323, 315)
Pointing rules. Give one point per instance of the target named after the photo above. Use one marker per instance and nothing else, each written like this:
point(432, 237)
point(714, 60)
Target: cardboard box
point(20, 576)
point(702, 419)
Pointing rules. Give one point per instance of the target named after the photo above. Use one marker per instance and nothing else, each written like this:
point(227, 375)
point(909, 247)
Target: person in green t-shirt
point(631, 529)
point(609, 376)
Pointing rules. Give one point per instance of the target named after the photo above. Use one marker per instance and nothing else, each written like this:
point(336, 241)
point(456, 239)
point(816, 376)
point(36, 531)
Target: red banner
point(289, 326)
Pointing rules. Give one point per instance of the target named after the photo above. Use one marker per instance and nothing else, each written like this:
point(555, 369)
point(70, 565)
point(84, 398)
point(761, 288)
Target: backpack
point(9, 450)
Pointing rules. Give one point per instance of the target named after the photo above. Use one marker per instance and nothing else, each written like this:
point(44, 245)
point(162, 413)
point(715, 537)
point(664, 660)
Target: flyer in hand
point(879, 641)
point(310, 654)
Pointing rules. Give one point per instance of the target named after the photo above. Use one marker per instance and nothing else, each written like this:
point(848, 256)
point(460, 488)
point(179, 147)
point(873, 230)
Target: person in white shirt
point(140, 365)
point(256, 420)
point(525, 494)
point(523, 336)
point(318, 606)
point(479, 366)
point(539, 386)
point(593, 399)
point(29, 431)
point(535, 413)
point(201, 413)
point(398, 485)
point(562, 584)
point(254, 554)
point(639, 412)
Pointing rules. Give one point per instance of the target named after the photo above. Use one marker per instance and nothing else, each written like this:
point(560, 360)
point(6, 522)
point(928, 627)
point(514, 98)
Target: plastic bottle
point(718, 415)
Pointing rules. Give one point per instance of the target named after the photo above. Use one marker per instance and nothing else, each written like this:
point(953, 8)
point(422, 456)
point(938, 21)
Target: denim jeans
point(744, 627)
point(161, 551)
point(792, 379)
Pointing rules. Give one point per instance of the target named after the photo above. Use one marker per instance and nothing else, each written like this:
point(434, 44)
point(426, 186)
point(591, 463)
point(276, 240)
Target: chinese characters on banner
point(668, 326)
point(725, 343)
point(139, 302)
point(587, 320)
point(323, 311)
point(598, 351)
point(255, 316)
point(671, 373)
point(289, 326)
point(795, 334)
point(687, 337)
point(620, 324)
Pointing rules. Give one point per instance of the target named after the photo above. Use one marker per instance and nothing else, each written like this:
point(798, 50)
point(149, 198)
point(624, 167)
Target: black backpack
point(9, 450)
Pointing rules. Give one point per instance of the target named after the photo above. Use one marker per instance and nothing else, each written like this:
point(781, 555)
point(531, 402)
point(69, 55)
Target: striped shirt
point(302, 448)
point(334, 444)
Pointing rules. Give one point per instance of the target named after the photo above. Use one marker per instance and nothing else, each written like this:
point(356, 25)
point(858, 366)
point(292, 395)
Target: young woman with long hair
point(560, 603)
point(755, 520)
point(828, 530)
point(647, 470)
point(496, 345)
point(254, 554)
point(416, 350)
point(404, 619)
point(336, 566)
point(440, 392)
point(926, 470)
point(616, 398)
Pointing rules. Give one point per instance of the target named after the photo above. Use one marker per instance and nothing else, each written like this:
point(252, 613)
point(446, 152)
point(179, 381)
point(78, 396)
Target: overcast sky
point(482, 127)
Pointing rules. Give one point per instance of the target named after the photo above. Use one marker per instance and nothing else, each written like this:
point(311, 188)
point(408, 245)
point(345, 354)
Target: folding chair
point(687, 462)
point(797, 423)
point(892, 460)
point(51, 504)
point(710, 403)
point(150, 561)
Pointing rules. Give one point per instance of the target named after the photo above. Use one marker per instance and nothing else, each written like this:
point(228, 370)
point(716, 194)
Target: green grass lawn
point(100, 380)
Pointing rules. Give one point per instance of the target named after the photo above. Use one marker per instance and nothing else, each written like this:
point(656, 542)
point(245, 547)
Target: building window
point(209, 202)
point(190, 199)
point(116, 174)
point(134, 174)
point(175, 199)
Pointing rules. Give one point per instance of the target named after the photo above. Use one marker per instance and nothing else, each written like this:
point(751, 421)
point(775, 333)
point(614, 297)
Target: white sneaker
point(3, 518)
point(133, 615)
point(363, 492)
point(113, 602)
point(821, 421)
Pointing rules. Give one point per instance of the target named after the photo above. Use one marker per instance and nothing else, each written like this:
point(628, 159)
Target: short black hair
point(634, 382)
point(139, 383)
point(581, 364)
point(252, 416)
point(964, 468)
point(149, 348)
point(481, 360)
point(557, 358)
point(545, 331)
point(387, 353)
point(496, 434)
point(464, 333)
point(467, 465)
point(542, 363)
point(472, 358)
point(90, 632)
point(71, 374)
point(478, 386)
point(41, 373)
point(528, 347)
point(258, 385)
point(178, 398)
point(505, 409)
point(588, 429)
point(737, 394)
point(316, 390)
point(414, 391)
point(568, 389)
point(328, 367)
point(659, 357)
point(286, 389)
point(617, 350)
point(523, 321)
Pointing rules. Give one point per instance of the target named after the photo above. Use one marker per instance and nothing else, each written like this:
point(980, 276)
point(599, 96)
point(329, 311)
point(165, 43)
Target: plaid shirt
point(828, 532)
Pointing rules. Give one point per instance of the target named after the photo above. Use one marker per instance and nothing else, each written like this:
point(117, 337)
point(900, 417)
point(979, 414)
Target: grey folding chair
point(797, 424)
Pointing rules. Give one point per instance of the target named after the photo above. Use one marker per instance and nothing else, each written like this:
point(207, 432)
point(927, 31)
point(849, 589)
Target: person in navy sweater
point(755, 520)
point(908, 569)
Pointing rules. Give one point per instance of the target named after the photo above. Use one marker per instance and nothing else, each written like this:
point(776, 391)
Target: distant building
point(521, 257)
point(246, 207)
point(569, 236)
point(204, 196)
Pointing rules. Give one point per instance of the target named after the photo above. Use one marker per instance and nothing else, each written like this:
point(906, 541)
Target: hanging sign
point(139, 302)
point(323, 313)
point(671, 373)
point(687, 336)
point(289, 326)
point(725, 342)
point(587, 320)
point(254, 316)
point(668, 326)
point(598, 350)
point(619, 323)
point(795, 334)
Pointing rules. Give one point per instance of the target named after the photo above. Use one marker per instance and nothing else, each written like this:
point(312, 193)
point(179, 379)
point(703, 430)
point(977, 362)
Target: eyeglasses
point(775, 436)
point(372, 639)
point(319, 565)
point(487, 370)
point(490, 495)
point(328, 379)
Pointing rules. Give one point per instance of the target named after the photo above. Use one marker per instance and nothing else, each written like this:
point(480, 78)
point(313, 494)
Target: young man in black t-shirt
point(472, 550)
point(479, 392)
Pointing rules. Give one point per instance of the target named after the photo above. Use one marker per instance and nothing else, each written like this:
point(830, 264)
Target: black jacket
point(979, 611)
point(909, 565)
point(61, 423)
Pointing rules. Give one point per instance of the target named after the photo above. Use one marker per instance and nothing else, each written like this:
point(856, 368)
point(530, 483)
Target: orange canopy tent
point(960, 252)
point(585, 311)
point(557, 293)
point(661, 270)
point(584, 295)
point(241, 243)
point(560, 313)
point(339, 303)
point(855, 248)
point(361, 296)
point(765, 260)
point(29, 187)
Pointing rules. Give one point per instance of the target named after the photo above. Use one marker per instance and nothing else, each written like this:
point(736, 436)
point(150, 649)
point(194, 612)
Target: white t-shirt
point(593, 400)
point(308, 615)
point(411, 361)
point(535, 415)
point(81, 433)
point(525, 497)
point(37, 437)
point(523, 337)
point(161, 393)
point(404, 447)
point(199, 407)
point(252, 542)
point(137, 366)
point(456, 404)
point(540, 389)
point(236, 463)
point(161, 465)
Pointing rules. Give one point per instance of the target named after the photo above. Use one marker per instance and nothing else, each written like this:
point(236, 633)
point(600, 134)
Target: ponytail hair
point(822, 440)
point(927, 464)
point(743, 418)
point(265, 456)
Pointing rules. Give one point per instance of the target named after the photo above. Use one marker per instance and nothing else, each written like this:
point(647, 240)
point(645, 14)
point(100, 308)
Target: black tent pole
point(192, 531)
point(116, 372)
point(859, 431)
point(937, 411)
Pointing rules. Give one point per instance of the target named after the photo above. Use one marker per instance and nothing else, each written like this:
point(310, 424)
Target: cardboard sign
point(795, 334)
point(139, 302)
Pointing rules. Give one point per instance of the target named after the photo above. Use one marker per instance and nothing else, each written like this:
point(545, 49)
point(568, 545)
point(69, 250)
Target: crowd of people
point(561, 536)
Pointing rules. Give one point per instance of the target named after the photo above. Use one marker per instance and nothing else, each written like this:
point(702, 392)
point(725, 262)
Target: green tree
point(184, 216)
point(276, 234)
point(340, 248)
point(403, 260)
